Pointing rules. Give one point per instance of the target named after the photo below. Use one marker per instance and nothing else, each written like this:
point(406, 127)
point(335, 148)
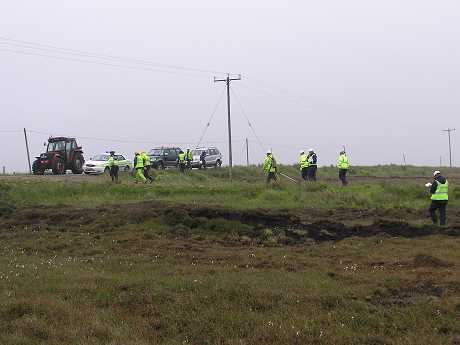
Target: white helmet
point(311, 150)
point(269, 152)
point(437, 172)
point(302, 151)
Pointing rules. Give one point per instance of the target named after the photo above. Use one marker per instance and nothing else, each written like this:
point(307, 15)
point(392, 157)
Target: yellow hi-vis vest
point(343, 162)
point(303, 161)
point(442, 191)
point(139, 162)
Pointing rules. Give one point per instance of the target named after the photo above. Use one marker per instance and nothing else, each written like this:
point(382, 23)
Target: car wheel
point(161, 166)
point(127, 168)
point(218, 164)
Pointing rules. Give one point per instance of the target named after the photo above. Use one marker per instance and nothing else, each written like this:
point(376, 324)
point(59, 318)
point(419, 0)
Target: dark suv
point(163, 157)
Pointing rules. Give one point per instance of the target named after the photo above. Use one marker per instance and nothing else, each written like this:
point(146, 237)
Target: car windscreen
point(155, 152)
point(100, 157)
point(197, 152)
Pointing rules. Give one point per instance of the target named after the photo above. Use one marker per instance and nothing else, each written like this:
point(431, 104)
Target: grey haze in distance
point(381, 77)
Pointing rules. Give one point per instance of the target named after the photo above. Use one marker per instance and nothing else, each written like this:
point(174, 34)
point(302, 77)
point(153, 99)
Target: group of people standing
point(308, 164)
point(185, 159)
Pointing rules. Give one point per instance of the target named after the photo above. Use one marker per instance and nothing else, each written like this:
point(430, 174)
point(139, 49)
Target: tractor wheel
point(58, 167)
point(36, 169)
point(77, 166)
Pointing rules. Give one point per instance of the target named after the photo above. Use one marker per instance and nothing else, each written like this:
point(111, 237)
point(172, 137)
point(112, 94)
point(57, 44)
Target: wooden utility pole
point(448, 130)
point(27, 148)
point(229, 123)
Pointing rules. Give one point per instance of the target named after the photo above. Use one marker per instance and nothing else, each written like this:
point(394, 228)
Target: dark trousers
point(203, 163)
point(189, 164)
point(441, 206)
point(312, 173)
point(343, 176)
point(304, 173)
point(182, 167)
point(114, 173)
point(271, 176)
point(147, 173)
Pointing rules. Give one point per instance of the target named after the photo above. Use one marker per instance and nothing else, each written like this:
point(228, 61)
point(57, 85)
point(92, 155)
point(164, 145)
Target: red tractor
point(62, 153)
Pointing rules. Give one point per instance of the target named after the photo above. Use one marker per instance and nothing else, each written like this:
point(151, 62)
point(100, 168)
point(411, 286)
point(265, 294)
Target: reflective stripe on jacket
point(442, 192)
point(181, 157)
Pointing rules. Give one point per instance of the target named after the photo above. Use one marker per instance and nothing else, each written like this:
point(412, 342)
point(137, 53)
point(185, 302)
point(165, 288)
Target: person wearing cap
point(312, 165)
point(113, 167)
point(303, 165)
point(343, 164)
point(439, 191)
point(270, 167)
point(139, 167)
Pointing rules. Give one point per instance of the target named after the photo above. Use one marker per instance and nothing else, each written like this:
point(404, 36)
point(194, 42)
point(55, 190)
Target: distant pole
point(404, 158)
point(440, 161)
point(247, 152)
point(27, 148)
point(4, 170)
point(448, 130)
point(229, 123)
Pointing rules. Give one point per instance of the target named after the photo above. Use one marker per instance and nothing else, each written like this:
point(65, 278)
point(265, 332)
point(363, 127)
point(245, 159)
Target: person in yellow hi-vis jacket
point(270, 167)
point(181, 161)
point(343, 164)
point(303, 165)
point(439, 191)
point(113, 167)
point(139, 166)
point(147, 166)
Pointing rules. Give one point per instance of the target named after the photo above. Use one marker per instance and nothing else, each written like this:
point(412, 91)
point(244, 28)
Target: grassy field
point(195, 259)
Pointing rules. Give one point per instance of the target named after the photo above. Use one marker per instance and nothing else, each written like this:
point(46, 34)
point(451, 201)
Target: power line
point(247, 119)
point(62, 50)
point(211, 117)
point(97, 62)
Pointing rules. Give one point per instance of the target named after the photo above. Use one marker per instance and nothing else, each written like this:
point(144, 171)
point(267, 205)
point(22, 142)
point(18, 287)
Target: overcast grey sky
point(381, 77)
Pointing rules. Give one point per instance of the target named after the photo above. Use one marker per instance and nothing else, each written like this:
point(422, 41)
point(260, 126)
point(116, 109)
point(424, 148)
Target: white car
point(98, 164)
